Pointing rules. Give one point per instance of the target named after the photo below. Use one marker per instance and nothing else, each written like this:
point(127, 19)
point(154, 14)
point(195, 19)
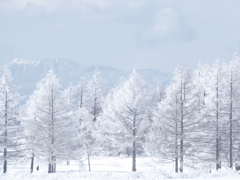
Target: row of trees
point(198, 120)
point(194, 119)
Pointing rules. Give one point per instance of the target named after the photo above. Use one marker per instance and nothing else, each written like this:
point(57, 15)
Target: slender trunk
point(181, 149)
point(220, 151)
point(32, 163)
point(217, 130)
point(5, 161)
point(37, 164)
point(52, 163)
point(176, 165)
point(134, 146)
point(52, 135)
point(230, 120)
point(176, 142)
point(49, 167)
point(5, 135)
point(217, 145)
point(181, 136)
point(94, 109)
point(89, 165)
point(81, 99)
point(134, 157)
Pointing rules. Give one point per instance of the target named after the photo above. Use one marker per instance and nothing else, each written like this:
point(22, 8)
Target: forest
point(193, 121)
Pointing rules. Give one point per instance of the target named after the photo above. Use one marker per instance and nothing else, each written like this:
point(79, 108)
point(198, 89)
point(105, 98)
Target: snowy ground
point(106, 168)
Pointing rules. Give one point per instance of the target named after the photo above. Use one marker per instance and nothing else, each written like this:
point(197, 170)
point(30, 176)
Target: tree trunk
point(134, 147)
point(37, 164)
point(176, 149)
point(134, 157)
point(52, 165)
point(176, 142)
point(94, 110)
point(5, 161)
point(53, 158)
point(32, 163)
point(49, 168)
point(217, 152)
point(5, 135)
point(217, 130)
point(81, 99)
point(176, 165)
point(230, 121)
point(181, 136)
point(89, 165)
point(181, 149)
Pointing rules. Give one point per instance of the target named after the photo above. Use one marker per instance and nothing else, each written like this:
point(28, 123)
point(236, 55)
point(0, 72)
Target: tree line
point(194, 120)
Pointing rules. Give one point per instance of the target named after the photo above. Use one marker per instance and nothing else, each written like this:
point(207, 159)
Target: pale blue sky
point(155, 34)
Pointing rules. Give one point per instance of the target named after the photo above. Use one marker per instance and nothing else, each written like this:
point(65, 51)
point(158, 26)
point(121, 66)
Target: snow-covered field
point(105, 168)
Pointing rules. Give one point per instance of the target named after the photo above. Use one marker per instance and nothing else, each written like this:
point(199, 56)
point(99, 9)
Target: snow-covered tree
point(71, 96)
point(175, 121)
point(215, 103)
point(54, 131)
point(9, 124)
point(82, 91)
point(232, 105)
point(159, 93)
point(87, 133)
point(128, 113)
point(31, 131)
point(96, 93)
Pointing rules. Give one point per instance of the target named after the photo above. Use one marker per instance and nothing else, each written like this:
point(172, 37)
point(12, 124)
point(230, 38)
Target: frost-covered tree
point(176, 122)
point(199, 83)
point(52, 115)
point(31, 131)
point(216, 96)
point(9, 124)
point(71, 96)
point(128, 113)
point(82, 91)
point(159, 93)
point(96, 93)
point(232, 105)
point(87, 133)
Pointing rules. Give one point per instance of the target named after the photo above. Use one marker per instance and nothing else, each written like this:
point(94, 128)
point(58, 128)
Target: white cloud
point(168, 25)
point(166, 22)
point(33, 10)
point(53, 5)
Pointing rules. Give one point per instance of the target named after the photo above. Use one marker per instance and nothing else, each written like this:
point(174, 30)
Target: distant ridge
point(27, 73)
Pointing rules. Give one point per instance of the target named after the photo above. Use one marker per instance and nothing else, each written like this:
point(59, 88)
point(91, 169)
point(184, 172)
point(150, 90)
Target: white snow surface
point(107, 168)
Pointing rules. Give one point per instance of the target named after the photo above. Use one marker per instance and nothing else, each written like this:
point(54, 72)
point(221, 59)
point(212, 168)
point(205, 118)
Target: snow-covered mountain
point(27, 73)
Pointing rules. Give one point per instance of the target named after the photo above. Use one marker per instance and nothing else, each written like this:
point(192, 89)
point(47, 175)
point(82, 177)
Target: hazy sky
point(155, 34)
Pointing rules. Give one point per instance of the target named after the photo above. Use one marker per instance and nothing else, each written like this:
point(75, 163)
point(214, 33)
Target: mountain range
point(27, 73)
